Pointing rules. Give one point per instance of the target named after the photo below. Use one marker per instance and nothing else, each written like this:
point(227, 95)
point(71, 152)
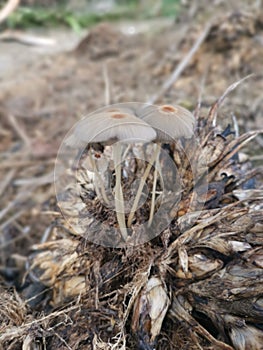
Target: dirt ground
point(41, 99)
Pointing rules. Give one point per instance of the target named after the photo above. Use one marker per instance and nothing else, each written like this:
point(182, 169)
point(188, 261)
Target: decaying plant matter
point(198, 285)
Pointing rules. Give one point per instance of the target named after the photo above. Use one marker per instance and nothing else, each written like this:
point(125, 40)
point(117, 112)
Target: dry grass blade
point(248, 194)
point(36, 181)
point(193, 232)
point(231, 149)
point(18, 129)
point(212, 116)
point(24, 163)
point(178, 311)
point(20, 331)
point(8, 178)
point(26, 38)
point(182, 65)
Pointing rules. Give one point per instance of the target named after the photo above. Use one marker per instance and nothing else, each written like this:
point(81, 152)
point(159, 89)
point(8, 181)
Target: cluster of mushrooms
point(197, 285)
point(125, 125)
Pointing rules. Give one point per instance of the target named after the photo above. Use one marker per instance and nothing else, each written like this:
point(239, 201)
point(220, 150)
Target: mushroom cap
point(170, 122)
point(73, 141)
point(108, 127)
point(134, 108)
point(118, 108)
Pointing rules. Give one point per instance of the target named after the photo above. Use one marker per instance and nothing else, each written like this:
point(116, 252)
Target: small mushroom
point(170, 123)
point(108, 128)
point(98, 164)
point(92, 164)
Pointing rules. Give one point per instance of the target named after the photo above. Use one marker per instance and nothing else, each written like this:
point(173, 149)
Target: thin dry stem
point(154, 187)
point(182, 65)
point(100, 181)
point(140, 188)
point(18, 129)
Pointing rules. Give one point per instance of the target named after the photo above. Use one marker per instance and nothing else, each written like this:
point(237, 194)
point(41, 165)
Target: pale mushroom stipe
point(113, 128)
point(170, 123)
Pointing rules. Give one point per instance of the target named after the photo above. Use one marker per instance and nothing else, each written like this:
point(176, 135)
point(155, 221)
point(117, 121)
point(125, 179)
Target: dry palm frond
point(202, 277)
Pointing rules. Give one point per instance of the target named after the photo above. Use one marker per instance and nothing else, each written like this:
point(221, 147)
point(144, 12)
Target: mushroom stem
point(125, 153)
point(140, 188)
point(119, 201)
point(100, 181)
point(154, 186)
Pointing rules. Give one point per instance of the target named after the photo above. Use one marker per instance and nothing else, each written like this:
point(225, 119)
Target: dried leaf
point(150, 308)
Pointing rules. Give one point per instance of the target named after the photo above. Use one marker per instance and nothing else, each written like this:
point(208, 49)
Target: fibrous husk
point(149, 310)
point(202, 276)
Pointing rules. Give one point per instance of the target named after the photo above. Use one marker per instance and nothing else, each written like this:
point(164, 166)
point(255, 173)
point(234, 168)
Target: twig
point(11, 219)
point(23, 163)
point(15, 332)
point(21, 197)
point(36, 181)
point(259, 141)
point(6, 209)
point(9, 7)
point(179, 312)
point(231, 150)
point(182, 65)
point(27, 39)
point(212, 116)
point(47, 233)
point(50, 212)
point(18, 129)
point(235, 125)
point(62, 340)
point(258, 157)
point(187, 236)
point(7, 180)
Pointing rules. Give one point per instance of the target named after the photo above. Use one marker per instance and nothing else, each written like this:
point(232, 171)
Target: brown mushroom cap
point(170, 122)
point(111, 126)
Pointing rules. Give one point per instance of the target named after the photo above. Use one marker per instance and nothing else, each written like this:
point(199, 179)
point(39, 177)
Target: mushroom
point(91, 164)
point(98, 164)
point(170, 123)
point(108, 128)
